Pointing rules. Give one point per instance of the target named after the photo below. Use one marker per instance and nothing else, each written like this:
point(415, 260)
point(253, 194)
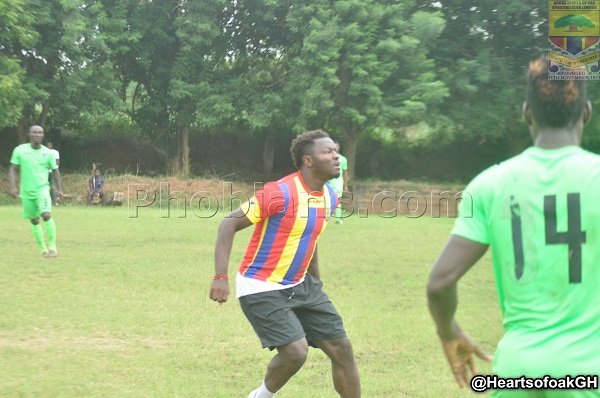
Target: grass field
point(124, 310)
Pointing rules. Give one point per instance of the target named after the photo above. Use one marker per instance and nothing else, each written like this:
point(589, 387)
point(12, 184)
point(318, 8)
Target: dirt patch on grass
point(100, 342)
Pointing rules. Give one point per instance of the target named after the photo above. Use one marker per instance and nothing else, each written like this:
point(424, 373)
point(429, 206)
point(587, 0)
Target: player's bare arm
point(457, 258)
point(13, 170)
point(219, 288)
point(313, 267)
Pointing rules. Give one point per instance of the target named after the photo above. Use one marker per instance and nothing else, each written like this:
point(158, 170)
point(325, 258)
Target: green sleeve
point(472, 221)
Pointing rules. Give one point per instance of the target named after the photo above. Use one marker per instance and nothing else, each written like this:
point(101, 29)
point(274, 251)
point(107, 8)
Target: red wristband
point(220, 277)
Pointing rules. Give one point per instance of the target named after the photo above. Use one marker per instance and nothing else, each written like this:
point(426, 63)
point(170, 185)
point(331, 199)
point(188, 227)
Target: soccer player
point(278, 282)
point(56, 155)
point(32, 161)
point(539, 213)
point(340, 184)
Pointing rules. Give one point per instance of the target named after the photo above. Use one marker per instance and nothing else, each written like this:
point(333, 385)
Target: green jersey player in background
point(540, 214)
point(32, 161)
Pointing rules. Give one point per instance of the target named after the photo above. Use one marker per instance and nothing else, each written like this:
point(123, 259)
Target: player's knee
point(340, 351)
point(35, 221)
point(296, 353)
point(46, 216)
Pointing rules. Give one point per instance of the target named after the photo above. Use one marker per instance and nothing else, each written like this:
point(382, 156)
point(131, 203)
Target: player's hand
point(219, 290)
point(60, 195)
point(459, 352)
point(14, 193)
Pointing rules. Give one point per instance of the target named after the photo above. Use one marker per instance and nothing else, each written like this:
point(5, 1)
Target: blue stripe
point(270, 235)
point(290, 275)
point(332, 198)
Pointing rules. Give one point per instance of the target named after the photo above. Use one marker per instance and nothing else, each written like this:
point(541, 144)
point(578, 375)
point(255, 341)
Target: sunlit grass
point(124, 310)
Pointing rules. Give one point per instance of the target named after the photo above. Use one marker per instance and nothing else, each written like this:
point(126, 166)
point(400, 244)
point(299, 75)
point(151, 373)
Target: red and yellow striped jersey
point(289, 219)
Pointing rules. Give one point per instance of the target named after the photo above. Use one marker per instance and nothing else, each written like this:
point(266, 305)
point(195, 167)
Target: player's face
point(36, 135)
point(326, 159)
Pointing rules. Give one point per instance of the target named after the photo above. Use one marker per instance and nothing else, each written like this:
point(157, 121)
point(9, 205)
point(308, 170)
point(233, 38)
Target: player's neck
point(312, 182)
point(36, 146)
point(556, 138)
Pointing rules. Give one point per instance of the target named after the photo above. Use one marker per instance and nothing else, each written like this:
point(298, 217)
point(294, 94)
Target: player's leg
point(286, 363)
point(31, 212)
point(45, 207)
point(325, 330)
point(102, 197)
point(278, 327)
point(343, 366)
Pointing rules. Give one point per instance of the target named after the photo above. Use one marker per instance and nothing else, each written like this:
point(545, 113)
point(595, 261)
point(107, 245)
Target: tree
point(573, 21)
point(363, 66)
point(14, 35)
point(169, 57)
point(484, 67)
point(56, 44)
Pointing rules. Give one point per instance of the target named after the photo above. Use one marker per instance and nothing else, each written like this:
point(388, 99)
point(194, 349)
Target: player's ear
point(587, 111)
point(527, 113)
point(307, 160)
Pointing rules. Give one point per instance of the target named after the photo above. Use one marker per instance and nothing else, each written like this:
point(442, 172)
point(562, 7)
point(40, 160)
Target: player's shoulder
point(586, 156)
point(22, 147)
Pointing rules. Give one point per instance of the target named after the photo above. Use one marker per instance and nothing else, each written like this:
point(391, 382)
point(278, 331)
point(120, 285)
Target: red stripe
point(311, 249)
point(590, 41)
point(282, 235)
point(559, 41)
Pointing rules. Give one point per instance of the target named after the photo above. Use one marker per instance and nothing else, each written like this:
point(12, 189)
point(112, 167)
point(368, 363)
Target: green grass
point(124, 310)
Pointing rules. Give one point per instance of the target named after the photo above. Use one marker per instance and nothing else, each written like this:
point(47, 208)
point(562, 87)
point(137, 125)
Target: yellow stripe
point(252, 212)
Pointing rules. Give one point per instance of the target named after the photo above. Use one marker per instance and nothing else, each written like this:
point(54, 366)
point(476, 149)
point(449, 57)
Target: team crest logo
point(327, 215)
point(574, 39)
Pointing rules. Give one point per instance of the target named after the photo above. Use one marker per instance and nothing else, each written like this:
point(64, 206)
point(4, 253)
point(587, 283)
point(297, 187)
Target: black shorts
point(281, 317)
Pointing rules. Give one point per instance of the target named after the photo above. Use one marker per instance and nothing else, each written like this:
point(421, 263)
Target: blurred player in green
point(340, 184)
point(540, 214)
point(32, 161)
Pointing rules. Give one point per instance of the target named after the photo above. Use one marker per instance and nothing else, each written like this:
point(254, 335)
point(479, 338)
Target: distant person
point(32, 161)
point(340, 184)
point(278, 283)
point(539, 213)
point(57, 158)
point(96, 188)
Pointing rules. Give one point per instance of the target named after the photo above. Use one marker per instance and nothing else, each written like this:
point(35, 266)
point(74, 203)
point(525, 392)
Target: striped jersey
point(288, 219)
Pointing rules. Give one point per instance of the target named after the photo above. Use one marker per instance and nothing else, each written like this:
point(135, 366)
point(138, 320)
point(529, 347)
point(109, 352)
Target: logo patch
point(574, 39)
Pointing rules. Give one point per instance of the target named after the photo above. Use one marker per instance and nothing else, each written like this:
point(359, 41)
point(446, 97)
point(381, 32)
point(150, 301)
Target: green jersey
point(540, 214)
point(33, 169)
point(338, 183)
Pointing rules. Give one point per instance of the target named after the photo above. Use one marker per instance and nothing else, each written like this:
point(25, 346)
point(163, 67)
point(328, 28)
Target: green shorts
point(33, 208)
point(281, 317)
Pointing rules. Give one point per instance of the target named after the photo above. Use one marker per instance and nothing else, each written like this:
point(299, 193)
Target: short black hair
point(553, 103)
point(303, 145)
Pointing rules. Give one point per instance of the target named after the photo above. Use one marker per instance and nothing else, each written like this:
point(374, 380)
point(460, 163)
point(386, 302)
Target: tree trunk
point(350, 143)
point(180, 163)
point(24, 124)
point(175, 162)
point(22, 130)
point(184, 143)
point(44, 115)
point(374, 157)
point(268, 155)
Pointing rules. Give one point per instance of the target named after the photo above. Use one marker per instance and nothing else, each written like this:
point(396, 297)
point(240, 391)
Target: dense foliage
point(382, 76)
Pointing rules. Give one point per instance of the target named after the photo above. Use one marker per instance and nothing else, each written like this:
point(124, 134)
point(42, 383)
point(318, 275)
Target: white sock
point(262, 392)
